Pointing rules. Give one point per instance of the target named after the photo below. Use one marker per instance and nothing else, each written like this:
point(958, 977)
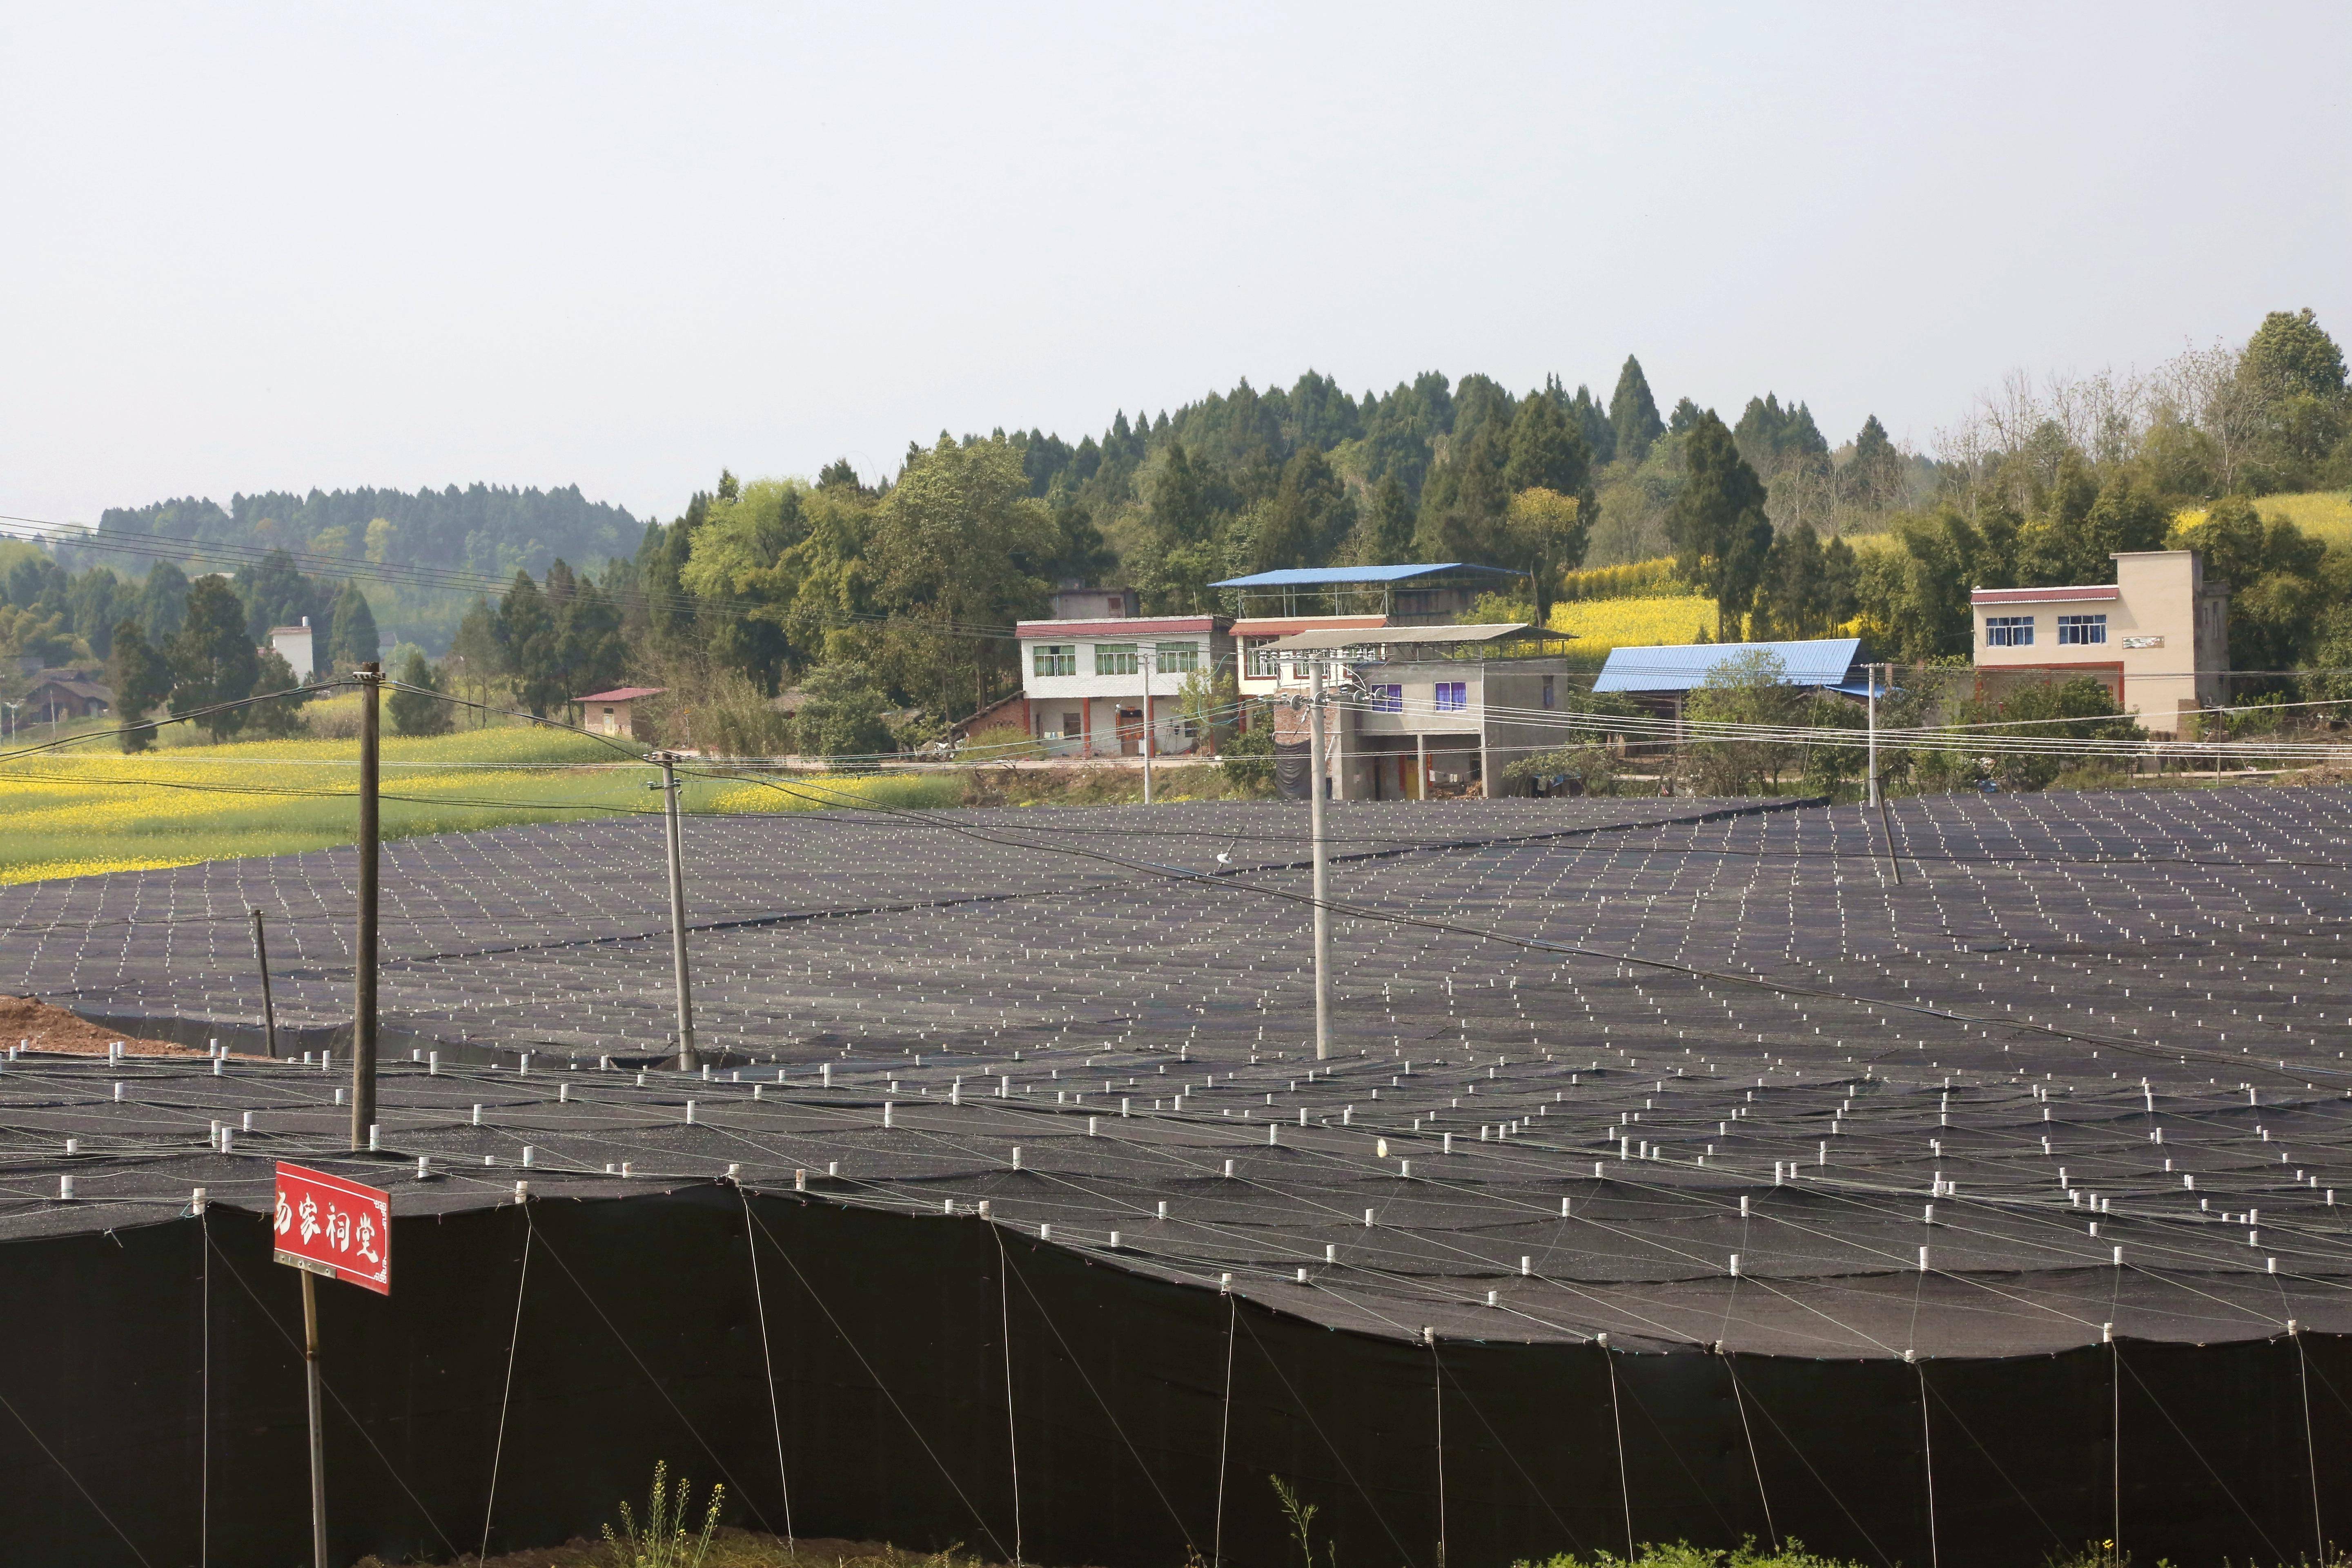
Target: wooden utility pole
point(371, 679)
point(269, 1008)
point(686, 1060)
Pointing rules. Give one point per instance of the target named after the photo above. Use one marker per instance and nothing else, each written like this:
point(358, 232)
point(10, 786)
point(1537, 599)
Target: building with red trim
point(1097, 687)
point(2157, 636)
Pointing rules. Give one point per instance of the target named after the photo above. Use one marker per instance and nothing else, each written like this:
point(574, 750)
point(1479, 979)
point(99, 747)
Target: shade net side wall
point(643, 1337)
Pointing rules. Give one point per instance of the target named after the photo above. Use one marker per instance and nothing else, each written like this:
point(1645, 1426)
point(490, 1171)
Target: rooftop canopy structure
point(1390, 645)
point(1426, 593)
point(1830, 664)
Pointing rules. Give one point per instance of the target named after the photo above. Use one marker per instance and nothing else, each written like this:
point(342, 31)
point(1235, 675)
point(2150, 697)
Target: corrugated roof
point(1821, 661)
point(622, 694)
point(1318, 576)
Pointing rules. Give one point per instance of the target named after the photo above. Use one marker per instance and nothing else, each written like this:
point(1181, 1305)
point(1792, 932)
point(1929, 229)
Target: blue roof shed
point(1832, 664)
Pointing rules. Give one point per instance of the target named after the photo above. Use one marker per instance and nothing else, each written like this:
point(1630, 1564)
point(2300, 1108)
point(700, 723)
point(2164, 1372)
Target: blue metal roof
point(1823, 661)
point(1325, 576)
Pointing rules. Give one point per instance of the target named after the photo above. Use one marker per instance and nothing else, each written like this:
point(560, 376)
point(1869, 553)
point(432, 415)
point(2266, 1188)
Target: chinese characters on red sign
point(331, 1226)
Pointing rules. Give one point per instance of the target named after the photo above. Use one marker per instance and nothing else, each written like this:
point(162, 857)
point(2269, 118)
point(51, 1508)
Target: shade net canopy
point(1683, 1074)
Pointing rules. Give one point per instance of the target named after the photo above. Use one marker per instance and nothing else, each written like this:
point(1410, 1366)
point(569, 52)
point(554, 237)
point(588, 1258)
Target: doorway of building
point(1130, 731)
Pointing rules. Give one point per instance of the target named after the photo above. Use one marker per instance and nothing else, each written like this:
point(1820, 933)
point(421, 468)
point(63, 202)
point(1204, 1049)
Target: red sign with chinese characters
point(331, 1226)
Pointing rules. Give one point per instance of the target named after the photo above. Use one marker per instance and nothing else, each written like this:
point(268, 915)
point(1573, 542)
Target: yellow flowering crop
point(90, 808)
point(1600, 625)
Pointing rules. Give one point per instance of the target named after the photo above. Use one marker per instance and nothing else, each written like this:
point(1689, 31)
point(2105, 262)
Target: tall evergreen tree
point(1384, 530)
point(1592, 420)
point(528, 648)
point(283, 717)
point(140, 680)
point(1717, 525)
point(1873, 477)
point(589, 651)
point(415, 708)
point(276, 594)
point(95, 603)
point(163, 602)
point(1634, 413)
point(1547, 451)
point(1310, 516)
point(212, 658)
point(351, 638)
point(1462, 506)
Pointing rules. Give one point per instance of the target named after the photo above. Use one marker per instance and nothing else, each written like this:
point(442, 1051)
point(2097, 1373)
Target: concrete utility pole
point(1894, 865)
point(371, 679)
point(1873, 734)
point(1315, 788)
point(1147, 660)
point(686, 1060)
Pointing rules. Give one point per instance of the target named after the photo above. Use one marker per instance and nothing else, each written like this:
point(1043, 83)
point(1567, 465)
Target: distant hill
point(482, 528)
point(490, 528)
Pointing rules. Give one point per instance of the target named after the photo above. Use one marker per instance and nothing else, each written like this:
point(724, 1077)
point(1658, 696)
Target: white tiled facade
point(1089, 684)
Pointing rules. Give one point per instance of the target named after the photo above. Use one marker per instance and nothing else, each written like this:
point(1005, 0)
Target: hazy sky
point(326, 245)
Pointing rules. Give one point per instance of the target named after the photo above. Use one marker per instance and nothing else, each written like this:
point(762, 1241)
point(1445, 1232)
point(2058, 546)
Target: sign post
point(326, 1226)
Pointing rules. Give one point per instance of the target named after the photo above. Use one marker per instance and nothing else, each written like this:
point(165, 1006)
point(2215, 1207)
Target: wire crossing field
point(84, 811)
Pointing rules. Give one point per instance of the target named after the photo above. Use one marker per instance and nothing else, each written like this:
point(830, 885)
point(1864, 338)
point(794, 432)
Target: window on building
point(1116, 658)
point(1056, 659)
point(1550, 693)
point(1262, 664)
point(2008, 631)
point(1388, 698)
point(1452, 696)
point(2079, 629)
point(1176, 658)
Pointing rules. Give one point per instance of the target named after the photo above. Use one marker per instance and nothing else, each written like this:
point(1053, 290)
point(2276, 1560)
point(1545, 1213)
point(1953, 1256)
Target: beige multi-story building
point(1420, 712)
point(2157, 636)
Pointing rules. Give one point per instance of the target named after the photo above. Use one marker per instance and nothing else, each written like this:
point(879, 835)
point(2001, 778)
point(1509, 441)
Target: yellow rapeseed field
point(1600, 625)
point(2324, 514)
point(90, 808)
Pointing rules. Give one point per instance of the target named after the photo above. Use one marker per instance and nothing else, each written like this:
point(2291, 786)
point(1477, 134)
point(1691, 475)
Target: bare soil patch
point(24, 1020)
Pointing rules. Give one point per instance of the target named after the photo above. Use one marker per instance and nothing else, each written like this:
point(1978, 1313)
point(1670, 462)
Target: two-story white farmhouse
point(1093, 681)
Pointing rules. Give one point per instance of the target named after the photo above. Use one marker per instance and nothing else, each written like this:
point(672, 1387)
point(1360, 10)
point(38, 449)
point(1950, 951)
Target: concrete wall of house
point(1522, 698)
point(1077, 714)
point(294, 644)
point(2167, 634)
point(1091, 726)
